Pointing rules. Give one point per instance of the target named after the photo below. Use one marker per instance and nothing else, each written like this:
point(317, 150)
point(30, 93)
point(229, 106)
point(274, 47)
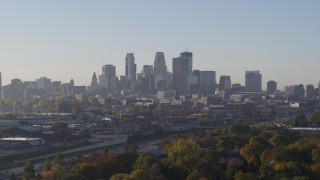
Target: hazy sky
point(72, 39)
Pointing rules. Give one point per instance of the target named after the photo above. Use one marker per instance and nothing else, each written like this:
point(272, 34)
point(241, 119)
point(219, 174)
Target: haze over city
point(72, 39)
point(165, 90)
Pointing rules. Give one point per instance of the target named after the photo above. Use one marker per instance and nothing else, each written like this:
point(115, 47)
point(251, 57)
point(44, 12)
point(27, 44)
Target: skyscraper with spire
point(94, 80)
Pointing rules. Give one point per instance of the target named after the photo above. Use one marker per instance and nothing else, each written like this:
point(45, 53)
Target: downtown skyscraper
point(225, 83)
point(253, 81)
point(131, 68)
point(108, 79)
point(182, 71)
point(160, 66)
point(271, 87)
point(0, 86)
point(161, 75)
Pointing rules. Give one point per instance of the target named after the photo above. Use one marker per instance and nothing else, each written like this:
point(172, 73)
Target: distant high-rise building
point(289, 90)
point(56, 88)
point(108, 71)
point(319, 89)
point(107, 78)
point(237, 88)
point(271, 87)
point(147, 71)
point(225, 83)
point(131, 67)
point(44, 84)
point(0, 86)
point(294, 92)
point(310, 93)
point(147, 78)
point(160, 66)
point(253, 81)
point(162, 77)
point(71, 82)
point(181, 71)
point(207, 81)
point(94, 80)
point(188, 56)
point(196, 77)
point(299, 91)
point(30, 84)
point(15, 90)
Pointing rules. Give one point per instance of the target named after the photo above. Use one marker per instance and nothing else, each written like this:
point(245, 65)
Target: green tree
point(283, 138)
point(300, 178)
point(239, 130)
point(149, 166)
point(74, 176)
point(315, 118)
point(88, 170)
point(28, 172)
point(137, 174)
point(251, 152)
point(58, 159)
point(230, 143)
point(196, 175)
point(288, 154)
point(243, 176)
point(315, 155)
point(128, 158)
point(315, 170)
point(47, 165)
point(144, 162)
point(120, 176)
point(109, 165)
point(185, 153)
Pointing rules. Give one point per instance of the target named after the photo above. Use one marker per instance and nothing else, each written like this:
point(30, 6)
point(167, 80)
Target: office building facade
point(130, 67)
point(253, 81)
point(207, 82)
point(225, 83)
point(271, 87)
point(181, 70)
point(310, 92)
point(107, 78)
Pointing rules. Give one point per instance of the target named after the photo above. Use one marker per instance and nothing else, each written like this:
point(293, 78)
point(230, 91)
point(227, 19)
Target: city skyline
point(279, 39)
point(263, 85)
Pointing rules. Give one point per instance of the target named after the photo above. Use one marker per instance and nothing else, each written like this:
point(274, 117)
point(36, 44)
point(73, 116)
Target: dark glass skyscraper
point(253, 81)
point(207, 81)
point(107, 78)
point(310, 92)
point(225, 83)
point(131, 67)
point(181, 69)
point(160, 66)
point(271, 87)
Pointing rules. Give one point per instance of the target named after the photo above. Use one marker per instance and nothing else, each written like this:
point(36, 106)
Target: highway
point(116, 146)
point(18, 170)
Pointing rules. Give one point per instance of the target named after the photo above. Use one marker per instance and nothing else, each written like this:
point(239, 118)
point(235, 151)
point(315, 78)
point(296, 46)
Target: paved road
point(18, 171)
point(119, 140)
